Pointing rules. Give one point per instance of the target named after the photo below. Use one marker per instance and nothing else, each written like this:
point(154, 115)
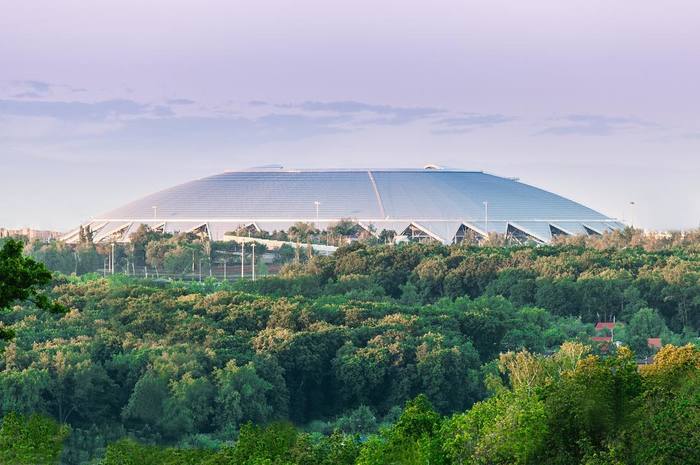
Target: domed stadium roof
point(438, 203)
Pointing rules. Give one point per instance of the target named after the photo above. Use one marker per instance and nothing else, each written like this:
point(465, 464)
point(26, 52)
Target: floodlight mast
point(253, 263)
point(632, 205)
point(242, 258)
point(486, 218)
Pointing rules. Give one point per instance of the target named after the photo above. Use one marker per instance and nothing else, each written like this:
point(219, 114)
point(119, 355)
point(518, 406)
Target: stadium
point(444, 205)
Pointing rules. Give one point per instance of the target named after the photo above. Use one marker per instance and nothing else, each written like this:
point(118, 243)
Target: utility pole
point(632, 204)
point(242, 258)
point(486, 218)
point(112, 271)
point(200, 270)
point(155, 211)
point(253, 261)
point(318, 204)
point(225, 279)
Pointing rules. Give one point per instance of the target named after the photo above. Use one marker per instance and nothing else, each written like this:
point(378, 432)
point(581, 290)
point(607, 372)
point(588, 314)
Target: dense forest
point(378, 354)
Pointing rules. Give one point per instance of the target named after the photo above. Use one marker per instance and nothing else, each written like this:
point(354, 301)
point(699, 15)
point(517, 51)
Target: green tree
point(130, 452)
point(668, 430)
point(414, 439)
point(20, 280)
point(32, 440)
point(508, 429)
point(146, 403)
point(644, 324)
point(24, 391)
point(241, 396)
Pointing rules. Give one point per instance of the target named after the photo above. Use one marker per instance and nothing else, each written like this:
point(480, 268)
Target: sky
point(102, 102)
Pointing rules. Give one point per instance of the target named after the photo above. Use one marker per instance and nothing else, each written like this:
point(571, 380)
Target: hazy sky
point(104, 101)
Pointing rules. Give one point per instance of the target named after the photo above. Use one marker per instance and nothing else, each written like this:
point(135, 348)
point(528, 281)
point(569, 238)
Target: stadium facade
point(445, 205)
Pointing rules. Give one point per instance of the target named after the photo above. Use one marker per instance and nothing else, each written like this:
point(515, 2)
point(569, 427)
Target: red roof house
point(603, 325)
point(603, 342)
point(654, 342)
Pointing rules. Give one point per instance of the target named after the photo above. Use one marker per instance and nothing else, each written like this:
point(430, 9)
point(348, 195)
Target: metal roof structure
point(437, 202)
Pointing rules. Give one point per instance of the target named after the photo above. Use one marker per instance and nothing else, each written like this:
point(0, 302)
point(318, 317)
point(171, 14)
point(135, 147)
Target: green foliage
point(509, 428)
point(241, 396)
point(20, 279)
point(644, 324)
point(414, 439)
point(130, 452)
point(339, 343)
point(32, 440)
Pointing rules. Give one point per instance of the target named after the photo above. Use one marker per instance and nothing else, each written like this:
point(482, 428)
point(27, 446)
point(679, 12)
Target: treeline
point(566, 409)
point(153, 254)
point(190, 364)
point(567, 280)
point(342, 343)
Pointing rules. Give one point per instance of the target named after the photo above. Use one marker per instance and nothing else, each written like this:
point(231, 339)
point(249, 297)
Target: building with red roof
point(603, 325)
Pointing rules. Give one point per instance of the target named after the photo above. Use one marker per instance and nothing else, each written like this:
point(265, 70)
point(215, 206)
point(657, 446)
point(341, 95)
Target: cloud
point(162, 110)
point(41, 129)
point(27, 95)
point(469, 121)
point(76, 111)
point(187, 136)
point(40, 87)
point(595, 125)
point(366, 113)
point(180, 101)
point(177, 124)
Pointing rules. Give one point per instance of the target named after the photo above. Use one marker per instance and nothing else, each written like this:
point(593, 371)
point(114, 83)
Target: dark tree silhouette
point(20, 280)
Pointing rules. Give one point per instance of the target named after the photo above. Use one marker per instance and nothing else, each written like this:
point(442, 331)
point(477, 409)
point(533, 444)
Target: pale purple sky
point(102, 102)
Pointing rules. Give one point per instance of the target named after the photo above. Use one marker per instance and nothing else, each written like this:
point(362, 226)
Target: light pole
point(632, 204)
point(253, 245)
point(486, 218)
point(112, 267)
point(155, 211)
point(318, 204)
point(242, 258)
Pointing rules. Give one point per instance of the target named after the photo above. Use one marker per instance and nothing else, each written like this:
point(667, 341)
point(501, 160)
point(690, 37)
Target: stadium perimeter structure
point(445, 205)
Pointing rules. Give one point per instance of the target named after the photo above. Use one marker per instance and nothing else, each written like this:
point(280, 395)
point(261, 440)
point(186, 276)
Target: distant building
point(605, 325)
point(603, 342)
point(431, 204)
point(654, 343)
point(31, 234)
